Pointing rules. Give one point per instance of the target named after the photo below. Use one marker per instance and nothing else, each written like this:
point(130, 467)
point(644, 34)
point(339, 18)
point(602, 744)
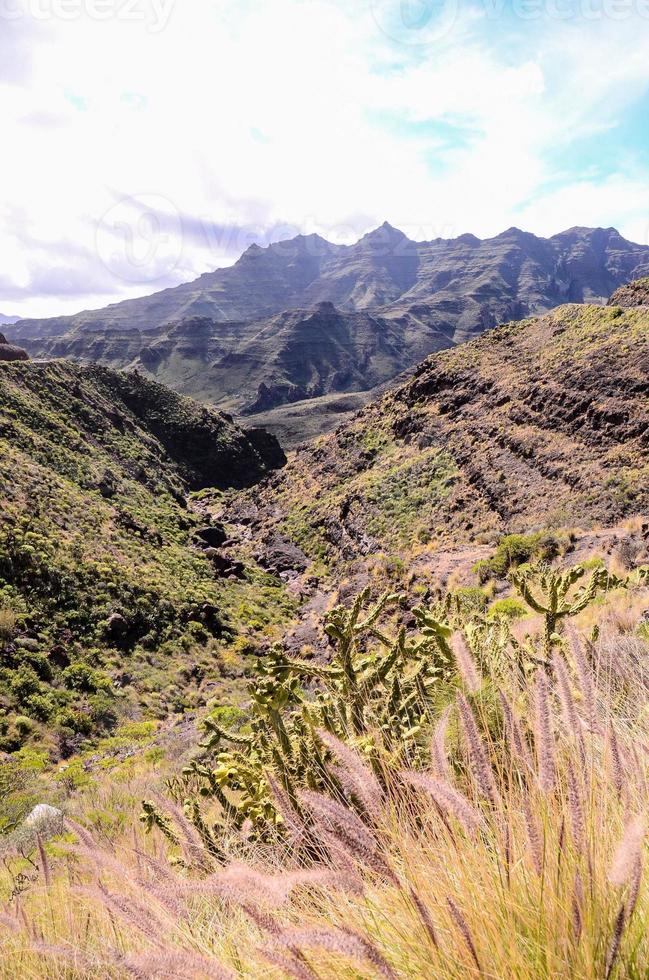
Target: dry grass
point(7, 623)
point(521, 856)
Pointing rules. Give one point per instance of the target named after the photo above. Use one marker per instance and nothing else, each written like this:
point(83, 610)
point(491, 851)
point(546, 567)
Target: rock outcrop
point(8, 352)
point(634, 294)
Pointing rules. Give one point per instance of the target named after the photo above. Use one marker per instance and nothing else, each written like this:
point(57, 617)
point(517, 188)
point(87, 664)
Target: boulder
point(209, 613)
point(224, 564)
point(43, 821)
point(213, 536)
point(107, 485)
point(59, 656)
point(280, 555)
point(116, 625)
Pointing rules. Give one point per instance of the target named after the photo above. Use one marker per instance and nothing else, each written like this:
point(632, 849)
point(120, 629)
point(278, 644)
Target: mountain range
point(305, 319)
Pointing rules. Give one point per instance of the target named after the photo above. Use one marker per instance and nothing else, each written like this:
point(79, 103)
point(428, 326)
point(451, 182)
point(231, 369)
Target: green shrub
point(81, 677)
point(469, 600)
point(517, 549)
point(24, 726)
point(508, 608)
point(24, 683)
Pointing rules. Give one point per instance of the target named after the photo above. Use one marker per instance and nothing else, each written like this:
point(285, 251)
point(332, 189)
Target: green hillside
point(106, 606)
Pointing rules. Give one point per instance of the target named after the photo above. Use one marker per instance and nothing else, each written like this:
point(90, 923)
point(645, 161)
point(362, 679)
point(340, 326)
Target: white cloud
point(261, 119)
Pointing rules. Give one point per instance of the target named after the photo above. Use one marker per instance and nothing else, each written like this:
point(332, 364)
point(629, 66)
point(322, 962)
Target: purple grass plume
point(543, 735)
point(465, 932)
point(448, 799)
point(357, 774)
point(480, 764)
point(465, 663)
point(628, 852)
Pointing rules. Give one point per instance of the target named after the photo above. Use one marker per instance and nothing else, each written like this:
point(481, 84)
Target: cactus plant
point(551, 593)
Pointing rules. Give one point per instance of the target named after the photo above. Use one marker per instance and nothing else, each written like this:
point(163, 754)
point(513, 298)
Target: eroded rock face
point(634, 294)
point(8, 352)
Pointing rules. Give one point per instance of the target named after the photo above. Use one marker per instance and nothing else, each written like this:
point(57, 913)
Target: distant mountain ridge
point(264, 334)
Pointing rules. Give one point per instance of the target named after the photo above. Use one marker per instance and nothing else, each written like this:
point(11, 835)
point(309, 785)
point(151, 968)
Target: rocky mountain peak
point(386, 235)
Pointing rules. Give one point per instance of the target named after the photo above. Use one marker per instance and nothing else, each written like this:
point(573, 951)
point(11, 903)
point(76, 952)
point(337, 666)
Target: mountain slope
point(541, 423)
point(105, 606)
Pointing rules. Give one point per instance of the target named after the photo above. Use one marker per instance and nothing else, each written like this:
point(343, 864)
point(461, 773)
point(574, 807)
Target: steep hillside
point(541, 423)
point(107, 604)
point(263, 334)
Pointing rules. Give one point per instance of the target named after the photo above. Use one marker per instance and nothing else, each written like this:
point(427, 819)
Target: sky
point(145, 142)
